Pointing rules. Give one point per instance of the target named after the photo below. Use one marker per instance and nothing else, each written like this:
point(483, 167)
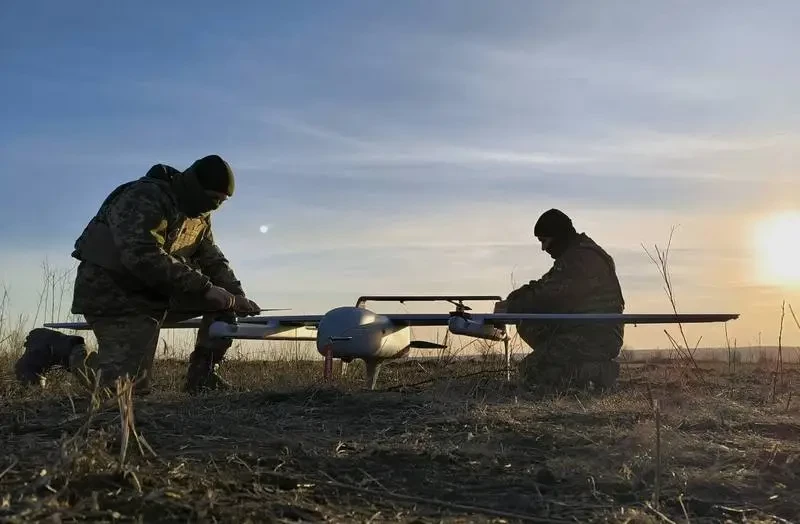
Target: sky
point(409, 147)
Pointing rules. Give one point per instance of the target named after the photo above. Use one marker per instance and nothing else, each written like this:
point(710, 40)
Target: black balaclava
point(210, 173)
point(558, 226)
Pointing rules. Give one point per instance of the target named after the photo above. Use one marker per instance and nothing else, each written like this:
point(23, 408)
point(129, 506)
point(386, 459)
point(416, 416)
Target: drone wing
point(77, 326)
point(252, 328)
point(192, 323)
point(267, 328)
point(441, 319)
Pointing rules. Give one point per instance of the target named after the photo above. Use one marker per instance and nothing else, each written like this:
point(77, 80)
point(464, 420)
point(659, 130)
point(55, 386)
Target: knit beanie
point(555, 224)
point(214, 174)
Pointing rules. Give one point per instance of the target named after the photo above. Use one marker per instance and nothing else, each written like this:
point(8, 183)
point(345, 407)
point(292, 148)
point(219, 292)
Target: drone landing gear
point(372, 369)
point(371, 374)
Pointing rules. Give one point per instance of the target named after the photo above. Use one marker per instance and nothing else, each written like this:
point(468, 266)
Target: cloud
point(391, 150)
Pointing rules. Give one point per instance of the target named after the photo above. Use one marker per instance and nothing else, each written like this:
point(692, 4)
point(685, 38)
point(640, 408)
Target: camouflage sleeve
point(213, 263)
point(138, 222)
point(555, 291)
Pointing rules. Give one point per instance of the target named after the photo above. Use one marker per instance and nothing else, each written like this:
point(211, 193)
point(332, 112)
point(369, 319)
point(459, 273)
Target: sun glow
point(778, 248)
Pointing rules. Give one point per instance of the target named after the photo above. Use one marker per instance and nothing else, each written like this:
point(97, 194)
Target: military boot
point(203, 373)
point(609, 374)
point(543, 376)
point(600, 375)
point(44, 350)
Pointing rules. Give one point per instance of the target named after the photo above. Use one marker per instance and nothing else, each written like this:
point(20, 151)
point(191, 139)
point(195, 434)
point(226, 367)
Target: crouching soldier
point(147, 257)
point(582, 279)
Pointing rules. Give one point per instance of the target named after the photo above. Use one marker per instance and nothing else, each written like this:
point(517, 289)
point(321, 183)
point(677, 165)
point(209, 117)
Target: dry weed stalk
point(777, 374)
point(55, 286)
point(657, 485)
point(794, 317)
point(787, 378)
point(731, 353)
point(128, 425)
point(779, 366)
point(71, 456)
point(101, 399)
point(54, 283)
point(661, 261)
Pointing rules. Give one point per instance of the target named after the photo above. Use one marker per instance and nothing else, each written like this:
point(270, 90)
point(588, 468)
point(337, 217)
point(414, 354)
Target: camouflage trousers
point(126, 345)
point(569, 359)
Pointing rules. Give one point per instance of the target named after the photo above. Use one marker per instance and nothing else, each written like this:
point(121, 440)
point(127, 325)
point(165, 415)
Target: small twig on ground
point(9, 468)
point(657, 512)
point(742, 511)
point(683, 507)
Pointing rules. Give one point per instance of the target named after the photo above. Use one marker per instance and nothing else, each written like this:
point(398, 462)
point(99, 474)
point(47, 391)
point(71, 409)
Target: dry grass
point(286, 447)
point(441, 440)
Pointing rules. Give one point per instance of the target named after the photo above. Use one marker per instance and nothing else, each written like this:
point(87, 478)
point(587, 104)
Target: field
point(441, 440)
point(437, 442)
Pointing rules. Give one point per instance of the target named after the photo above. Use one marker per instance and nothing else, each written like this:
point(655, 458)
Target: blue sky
point(399, 147)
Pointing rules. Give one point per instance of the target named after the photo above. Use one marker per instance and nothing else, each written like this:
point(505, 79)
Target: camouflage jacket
point(582, 280)
point(140, 253)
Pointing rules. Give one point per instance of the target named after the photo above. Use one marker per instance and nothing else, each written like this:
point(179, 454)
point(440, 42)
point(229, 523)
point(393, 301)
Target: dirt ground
point(434, 443)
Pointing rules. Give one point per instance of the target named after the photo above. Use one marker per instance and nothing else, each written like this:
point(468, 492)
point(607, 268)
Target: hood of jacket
point(190, 196)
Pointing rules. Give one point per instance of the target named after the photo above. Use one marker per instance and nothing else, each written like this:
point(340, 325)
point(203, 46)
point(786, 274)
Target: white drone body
point(355, 332)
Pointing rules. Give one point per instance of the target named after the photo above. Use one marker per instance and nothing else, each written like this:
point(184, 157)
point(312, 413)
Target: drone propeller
point(459, 304)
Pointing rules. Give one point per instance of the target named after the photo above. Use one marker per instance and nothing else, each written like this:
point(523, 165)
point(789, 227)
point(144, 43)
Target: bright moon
point(264, 229)
point(778, 243)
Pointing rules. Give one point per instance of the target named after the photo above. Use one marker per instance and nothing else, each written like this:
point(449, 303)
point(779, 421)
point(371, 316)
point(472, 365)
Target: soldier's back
point(602, 292)
point(103, 285)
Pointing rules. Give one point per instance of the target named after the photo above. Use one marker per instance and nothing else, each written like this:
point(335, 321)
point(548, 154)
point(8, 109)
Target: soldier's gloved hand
point(501, 307)
point(246, 307)
point(219, 298)
point(255, 309)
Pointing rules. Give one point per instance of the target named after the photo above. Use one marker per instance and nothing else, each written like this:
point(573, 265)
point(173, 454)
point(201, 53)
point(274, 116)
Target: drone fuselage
point(354, 332)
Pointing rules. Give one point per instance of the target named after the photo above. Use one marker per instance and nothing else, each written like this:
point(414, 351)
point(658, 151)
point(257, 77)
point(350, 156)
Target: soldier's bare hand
point(219, 298)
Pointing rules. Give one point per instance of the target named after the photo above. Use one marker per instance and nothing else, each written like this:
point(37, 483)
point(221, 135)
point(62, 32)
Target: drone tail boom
point(362, 300)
